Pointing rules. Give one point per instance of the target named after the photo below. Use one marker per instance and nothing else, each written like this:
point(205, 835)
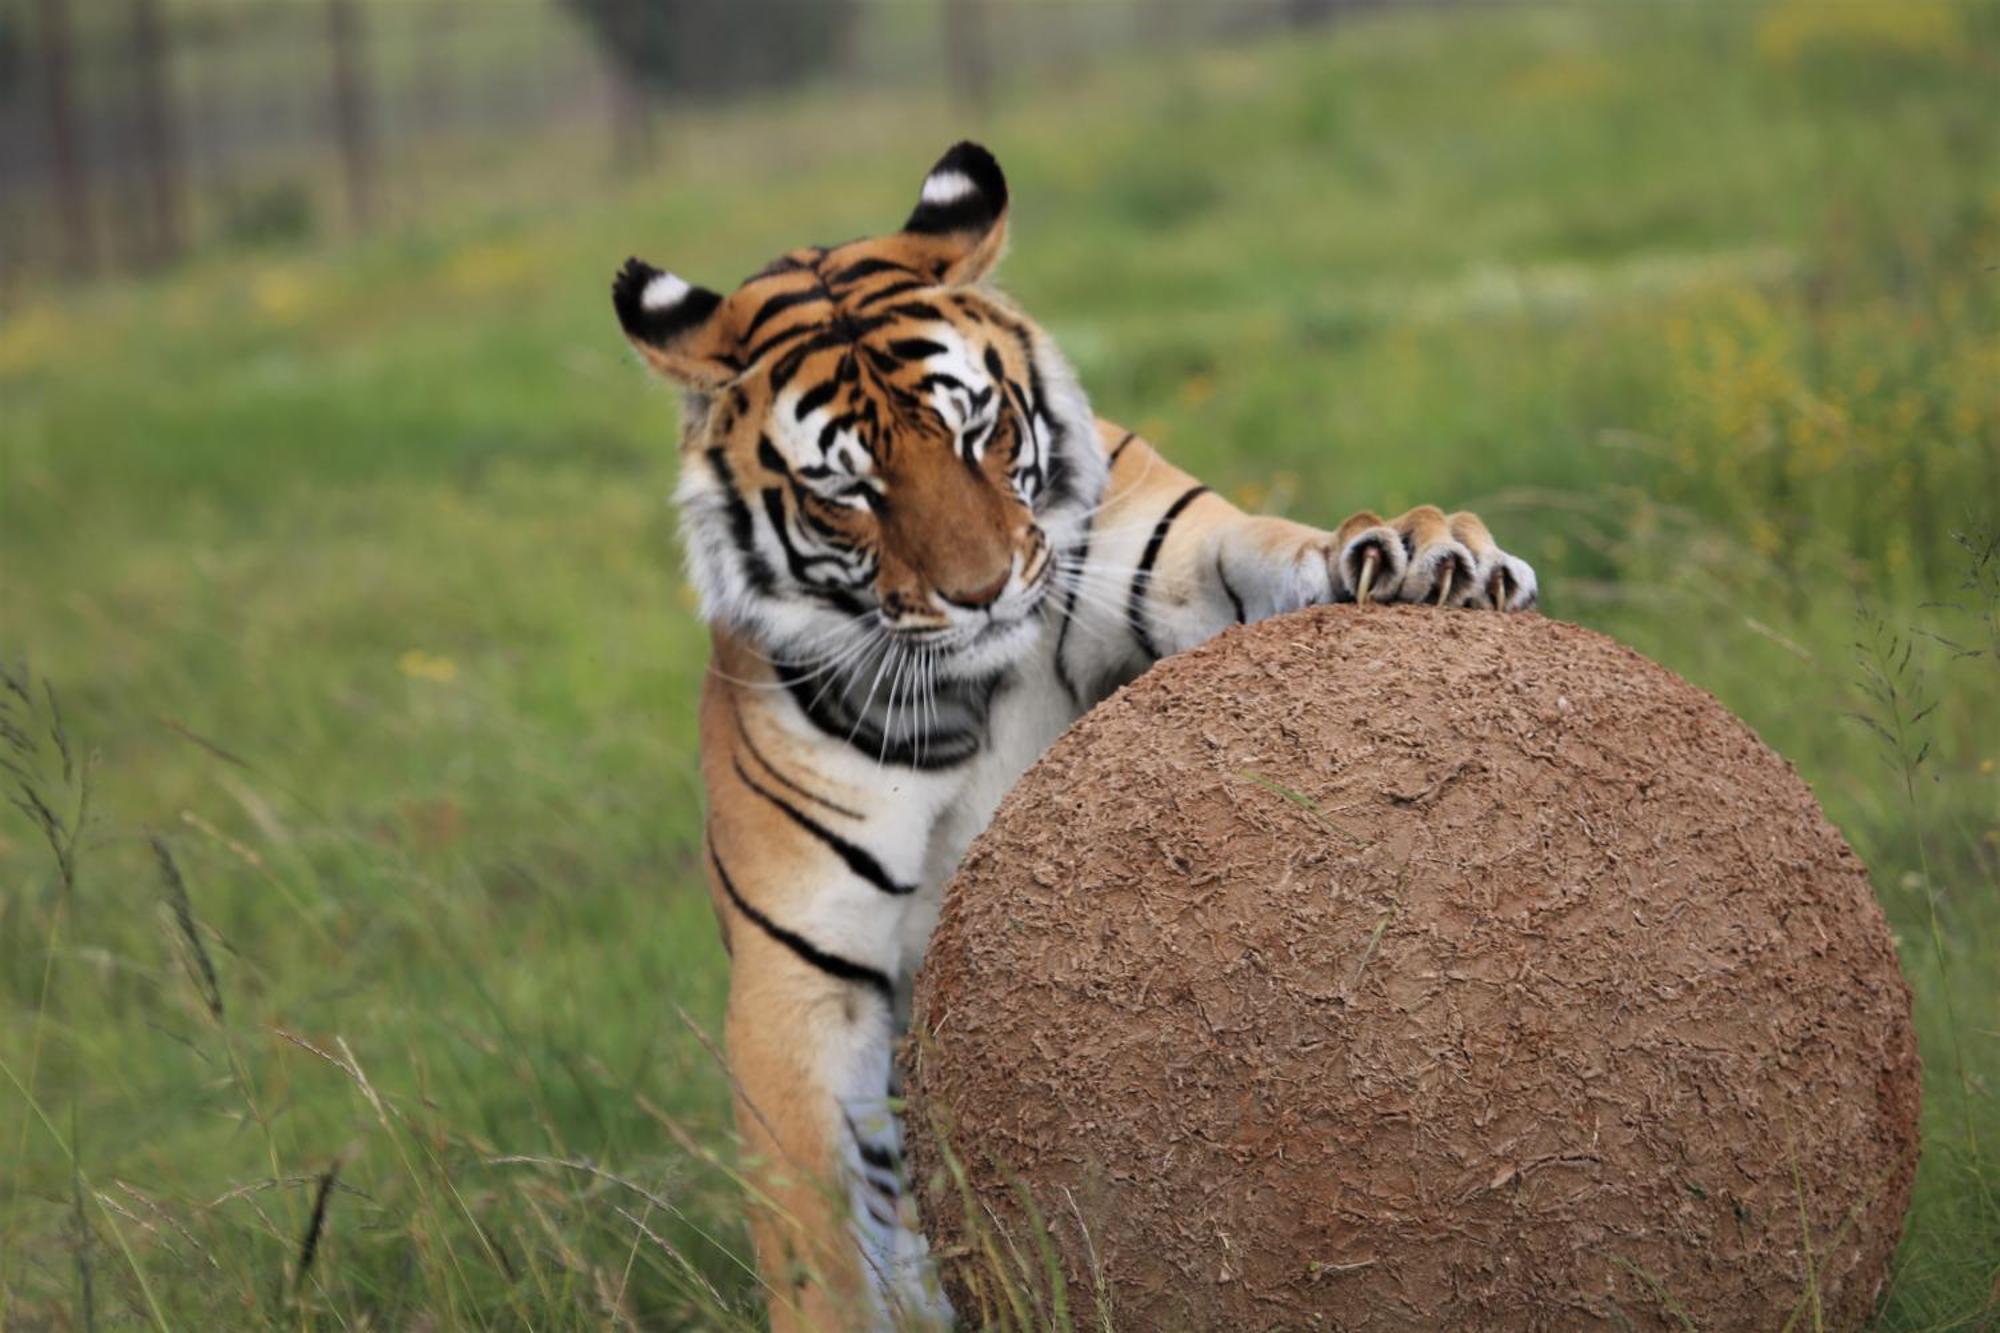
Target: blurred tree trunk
point(159, 136)
point(430, 96)
point(208, 108)
point(72, 174)
point(631, 122)
point(630, 107)
point(968, 54)
point(435, 35)
point(850, 49)
point(350, 108)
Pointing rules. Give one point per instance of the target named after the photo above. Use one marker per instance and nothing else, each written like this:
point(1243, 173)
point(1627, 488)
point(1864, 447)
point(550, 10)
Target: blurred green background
point(336, 561)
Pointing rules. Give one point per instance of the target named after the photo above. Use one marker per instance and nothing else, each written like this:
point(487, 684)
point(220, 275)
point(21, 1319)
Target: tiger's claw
point(1427, 557)
point(1369, 562)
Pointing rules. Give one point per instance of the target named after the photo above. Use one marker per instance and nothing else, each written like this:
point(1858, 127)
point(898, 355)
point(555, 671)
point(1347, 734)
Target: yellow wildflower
point(420, 665)
point(1797, 28)
point(493, 267)
point(281, 294)
point(31, 338)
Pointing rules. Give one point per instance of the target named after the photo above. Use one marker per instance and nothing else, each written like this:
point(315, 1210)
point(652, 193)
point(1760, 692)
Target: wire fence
point(136, 132)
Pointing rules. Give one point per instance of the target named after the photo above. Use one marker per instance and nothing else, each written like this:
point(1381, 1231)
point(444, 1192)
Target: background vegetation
point(360, 865)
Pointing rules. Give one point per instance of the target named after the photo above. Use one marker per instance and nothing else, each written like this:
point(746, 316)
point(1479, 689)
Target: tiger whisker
point(1096, 568)
point(795, 660)
point(889, 718)
point(1111, 496)
point(1068, 610)
point(927, 712)
point(822, 665)
point(1142, 523)
point(1108, 596)
point(819, 665)
point(1119, 581)
point(893, 650)
point(869, 644)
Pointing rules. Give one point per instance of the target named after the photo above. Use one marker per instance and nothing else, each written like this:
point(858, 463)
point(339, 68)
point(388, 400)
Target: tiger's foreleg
point(1168, 563)
point(809, 1055)
point(813, 891)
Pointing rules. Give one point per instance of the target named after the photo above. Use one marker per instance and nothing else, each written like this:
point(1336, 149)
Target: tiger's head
point(877, 445)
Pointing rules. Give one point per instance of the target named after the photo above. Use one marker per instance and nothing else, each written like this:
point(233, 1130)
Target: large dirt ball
point(1376, 968)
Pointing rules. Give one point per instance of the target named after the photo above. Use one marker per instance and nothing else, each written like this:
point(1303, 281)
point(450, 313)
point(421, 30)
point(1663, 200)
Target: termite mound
point(1396, 968)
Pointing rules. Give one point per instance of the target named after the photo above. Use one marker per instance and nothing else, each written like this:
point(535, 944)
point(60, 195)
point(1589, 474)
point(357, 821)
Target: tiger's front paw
point(1428, 556)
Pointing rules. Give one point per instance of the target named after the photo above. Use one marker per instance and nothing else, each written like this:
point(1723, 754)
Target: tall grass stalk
point(1893, 680)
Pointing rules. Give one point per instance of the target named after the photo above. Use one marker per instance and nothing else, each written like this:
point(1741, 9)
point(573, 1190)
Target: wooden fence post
point(72, 172)
point(968, 60)
point(159, 134)
point(628, 99)
point(350, 109)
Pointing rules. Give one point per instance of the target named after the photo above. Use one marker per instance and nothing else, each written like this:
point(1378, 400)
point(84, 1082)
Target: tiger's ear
point(674, 325)
point(961, 216)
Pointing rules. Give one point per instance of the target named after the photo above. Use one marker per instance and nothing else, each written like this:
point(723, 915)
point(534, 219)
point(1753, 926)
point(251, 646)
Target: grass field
point(354, 578)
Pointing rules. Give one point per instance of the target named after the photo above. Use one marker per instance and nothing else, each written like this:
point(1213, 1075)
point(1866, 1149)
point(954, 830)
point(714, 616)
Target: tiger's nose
point(975, 599)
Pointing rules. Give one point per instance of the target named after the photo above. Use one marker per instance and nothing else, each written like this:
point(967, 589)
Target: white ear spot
point(946, 187)
point(663, 291)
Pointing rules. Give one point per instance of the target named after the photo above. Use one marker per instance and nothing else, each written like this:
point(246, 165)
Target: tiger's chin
point(990, 648)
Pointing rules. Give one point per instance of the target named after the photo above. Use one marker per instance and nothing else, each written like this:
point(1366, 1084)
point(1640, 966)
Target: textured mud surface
point(1392, 968)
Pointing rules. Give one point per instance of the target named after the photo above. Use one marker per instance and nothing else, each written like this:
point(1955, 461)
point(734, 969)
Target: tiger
point(920, 556)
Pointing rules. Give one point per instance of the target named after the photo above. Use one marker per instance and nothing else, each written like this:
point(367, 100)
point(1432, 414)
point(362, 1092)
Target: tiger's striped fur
point(921, 557)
